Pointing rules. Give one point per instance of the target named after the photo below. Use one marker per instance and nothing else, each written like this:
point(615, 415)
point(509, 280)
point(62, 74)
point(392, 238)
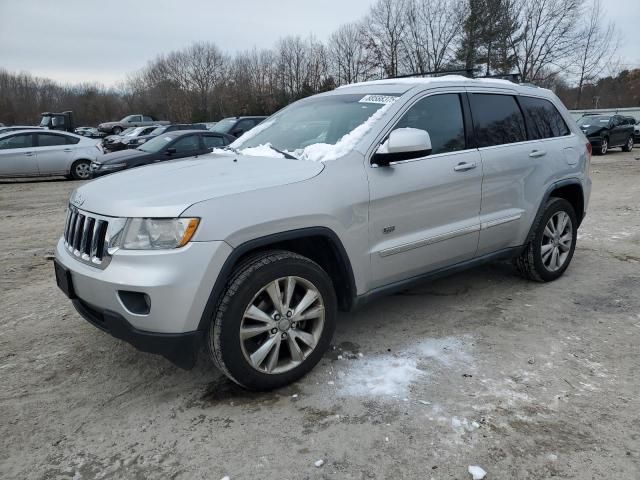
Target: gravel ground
point(482, 368)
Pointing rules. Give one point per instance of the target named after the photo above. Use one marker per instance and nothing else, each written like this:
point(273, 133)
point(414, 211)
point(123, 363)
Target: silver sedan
point(28, 153)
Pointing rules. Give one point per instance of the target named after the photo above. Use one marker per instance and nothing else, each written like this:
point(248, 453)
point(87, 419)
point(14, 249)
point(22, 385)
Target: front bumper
point(176, 282)
point(181, 349)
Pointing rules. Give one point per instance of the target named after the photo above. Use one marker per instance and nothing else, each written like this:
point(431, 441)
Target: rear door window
point(441, 116)
point(51, 140)
point(213, 141)
point(543, 119)
point(497, 119)
point(187, 144)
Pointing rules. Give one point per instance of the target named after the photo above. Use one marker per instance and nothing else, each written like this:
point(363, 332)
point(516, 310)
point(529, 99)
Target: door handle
point(67, 150)
point(29, 154)
point(464, 166)
point(537, 153)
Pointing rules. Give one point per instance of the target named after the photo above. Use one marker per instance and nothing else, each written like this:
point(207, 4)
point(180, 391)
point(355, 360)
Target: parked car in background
point(113, 143)
point(210, 125)
point(15, 128)
point(135, 142)
point(62, 121)
point(339, 199)
point(116, 128)
point(37, 152)
point(168, 146)
point(1, 124)
point(90, 132)
point(636, 131)
point(236, 126)
point(606, 132)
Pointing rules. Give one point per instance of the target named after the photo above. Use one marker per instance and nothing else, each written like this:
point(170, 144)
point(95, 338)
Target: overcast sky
point(90, 40)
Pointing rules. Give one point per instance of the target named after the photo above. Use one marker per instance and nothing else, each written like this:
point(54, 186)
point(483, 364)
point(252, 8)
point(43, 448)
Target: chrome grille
point(85, 236)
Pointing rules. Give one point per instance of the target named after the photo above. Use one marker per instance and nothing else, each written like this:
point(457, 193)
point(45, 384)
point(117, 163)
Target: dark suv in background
point(236, 126)
point(137, 141)
point(607, 131)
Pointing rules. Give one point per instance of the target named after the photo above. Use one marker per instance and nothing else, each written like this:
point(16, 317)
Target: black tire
point(603, 148)
point(81, 170)
point(223, 336)
point(530, 263)
point(628, 146)
point(116, 130)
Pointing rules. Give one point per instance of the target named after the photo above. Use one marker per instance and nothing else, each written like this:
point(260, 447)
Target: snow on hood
point(318, 152)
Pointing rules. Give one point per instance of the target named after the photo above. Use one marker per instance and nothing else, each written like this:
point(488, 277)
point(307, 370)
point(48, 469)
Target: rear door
point(54, 153)
point(424, 212)
point(17, 155)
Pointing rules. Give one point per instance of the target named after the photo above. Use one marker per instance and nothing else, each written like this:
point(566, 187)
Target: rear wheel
point(629, 145)
point(81, 170)
point(274, 322)
point(116, 130)
point(548, 254)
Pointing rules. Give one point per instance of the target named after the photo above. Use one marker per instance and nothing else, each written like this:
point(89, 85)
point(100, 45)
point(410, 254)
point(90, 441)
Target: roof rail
point(467, 72)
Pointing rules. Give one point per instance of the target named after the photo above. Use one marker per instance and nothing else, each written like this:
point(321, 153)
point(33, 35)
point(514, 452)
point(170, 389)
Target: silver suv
point(335, 200)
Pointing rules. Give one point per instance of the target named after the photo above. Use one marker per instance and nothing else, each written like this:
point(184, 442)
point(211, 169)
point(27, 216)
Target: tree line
point(561, 44)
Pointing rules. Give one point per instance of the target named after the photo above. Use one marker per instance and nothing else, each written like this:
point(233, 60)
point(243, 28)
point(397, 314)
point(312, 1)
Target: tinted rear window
point(543, 119)
point(497, 119)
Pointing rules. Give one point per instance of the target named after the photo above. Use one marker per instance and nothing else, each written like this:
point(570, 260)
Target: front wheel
point(116, 131)
point(604, 146)
point(274, 322)
point(629, 145)
point(549, 252)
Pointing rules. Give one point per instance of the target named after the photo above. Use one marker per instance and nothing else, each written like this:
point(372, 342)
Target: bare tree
point(546, 36)
point(384, 29)
point(349, 60)
point(597, 43)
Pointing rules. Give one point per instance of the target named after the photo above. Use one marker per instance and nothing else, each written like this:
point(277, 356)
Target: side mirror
point(403, 144)
point(170, 151)
point(237, 133)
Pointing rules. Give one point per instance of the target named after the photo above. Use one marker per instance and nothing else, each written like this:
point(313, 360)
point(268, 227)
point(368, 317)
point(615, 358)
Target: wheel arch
point(571, 190)
point(75, 161)
point(320, 244)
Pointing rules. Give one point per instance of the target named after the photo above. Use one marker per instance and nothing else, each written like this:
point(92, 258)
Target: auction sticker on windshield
point(381, 99)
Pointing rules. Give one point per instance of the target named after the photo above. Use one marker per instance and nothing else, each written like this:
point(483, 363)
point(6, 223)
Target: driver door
point(424, 212)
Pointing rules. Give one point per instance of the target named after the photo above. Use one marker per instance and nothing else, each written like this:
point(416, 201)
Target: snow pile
point(464, 425)
point(447, 351)
point(476, 472)
point(264, 150)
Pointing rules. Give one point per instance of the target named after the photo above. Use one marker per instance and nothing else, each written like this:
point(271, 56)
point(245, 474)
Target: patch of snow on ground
point(384, 376)
point(391, 375)
point(476, 472)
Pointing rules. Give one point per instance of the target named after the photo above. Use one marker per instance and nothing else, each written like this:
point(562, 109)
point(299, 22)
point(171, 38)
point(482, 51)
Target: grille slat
point(85, 236)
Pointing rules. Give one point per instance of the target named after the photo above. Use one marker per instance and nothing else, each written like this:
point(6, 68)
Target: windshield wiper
point(286, 155)
point(231, 149)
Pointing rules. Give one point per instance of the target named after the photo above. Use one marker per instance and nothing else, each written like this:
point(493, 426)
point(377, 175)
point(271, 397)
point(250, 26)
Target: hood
point(167, 189)
point(116, 157)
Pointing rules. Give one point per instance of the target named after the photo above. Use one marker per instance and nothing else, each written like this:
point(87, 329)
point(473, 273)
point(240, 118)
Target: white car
point(36, 152)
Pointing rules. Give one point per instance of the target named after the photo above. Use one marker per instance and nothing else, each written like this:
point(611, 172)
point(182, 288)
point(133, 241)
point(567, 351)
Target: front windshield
point(224, 125)
point(127, 131)
point(156, 144)
point(132, 132)
point(593, 120)
point(321, 128)
point(45, 121)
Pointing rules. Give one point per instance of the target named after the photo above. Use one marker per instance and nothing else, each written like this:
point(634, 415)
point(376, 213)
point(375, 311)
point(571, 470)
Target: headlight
point(158, 233)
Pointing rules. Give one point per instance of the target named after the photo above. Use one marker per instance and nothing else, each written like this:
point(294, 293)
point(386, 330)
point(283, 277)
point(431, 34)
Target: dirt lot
point(483, 368)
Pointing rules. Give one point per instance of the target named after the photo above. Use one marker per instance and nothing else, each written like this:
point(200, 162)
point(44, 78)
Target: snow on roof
point(414, 81)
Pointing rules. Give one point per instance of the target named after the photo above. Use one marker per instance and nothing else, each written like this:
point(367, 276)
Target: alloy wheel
point(604, 146)
point(83, 170)
point(282, 325)
point(557, 239)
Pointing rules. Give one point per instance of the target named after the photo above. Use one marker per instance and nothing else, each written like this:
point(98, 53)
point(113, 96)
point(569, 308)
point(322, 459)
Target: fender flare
point(547, 194)
point(256, 243)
